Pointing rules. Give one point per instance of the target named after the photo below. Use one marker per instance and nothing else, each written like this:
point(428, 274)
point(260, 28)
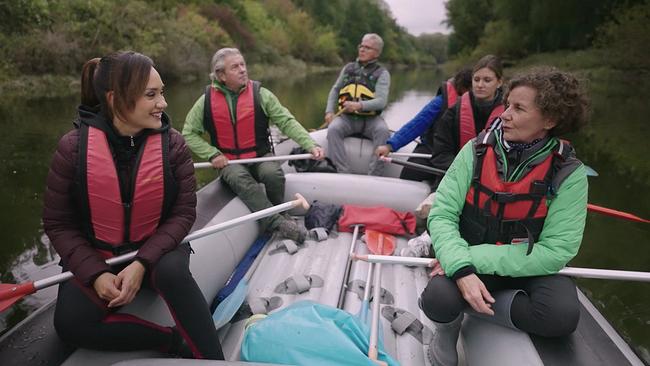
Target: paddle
point(606, 274)
point(615, 213)
point(428, 169)
point(348, 266)
point(590, 207)
point(383, 244)
point(207, 164)
point(411, 155)
point(228, 307)
point(10, 293)
point(325, 124)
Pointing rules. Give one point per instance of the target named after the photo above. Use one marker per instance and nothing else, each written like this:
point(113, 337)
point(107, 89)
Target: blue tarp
point(307, 333)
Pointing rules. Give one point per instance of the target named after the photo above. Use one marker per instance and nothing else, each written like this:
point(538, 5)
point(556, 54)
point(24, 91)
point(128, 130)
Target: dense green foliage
point(41, 37)
point(514, 29)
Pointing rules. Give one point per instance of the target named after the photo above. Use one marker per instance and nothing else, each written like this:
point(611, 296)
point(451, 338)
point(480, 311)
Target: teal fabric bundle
point(307, 333)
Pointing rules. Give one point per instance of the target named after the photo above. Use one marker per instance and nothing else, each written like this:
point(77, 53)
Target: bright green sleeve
point(558, 243)
point(193, 131)
point(286, 122)
point(451, 250)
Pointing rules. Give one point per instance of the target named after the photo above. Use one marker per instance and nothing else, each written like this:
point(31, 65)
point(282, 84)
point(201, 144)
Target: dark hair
point(559, 97)
point(463, 80)
point(125, 73)
point(491, 62)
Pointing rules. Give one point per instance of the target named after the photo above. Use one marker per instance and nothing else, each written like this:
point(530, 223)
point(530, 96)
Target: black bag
point(322, 215)
point(311, 165)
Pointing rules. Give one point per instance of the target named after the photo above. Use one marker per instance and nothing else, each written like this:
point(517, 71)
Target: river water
point(615, 145)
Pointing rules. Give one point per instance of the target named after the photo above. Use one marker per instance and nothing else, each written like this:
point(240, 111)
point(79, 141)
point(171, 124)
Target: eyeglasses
point(364, 47)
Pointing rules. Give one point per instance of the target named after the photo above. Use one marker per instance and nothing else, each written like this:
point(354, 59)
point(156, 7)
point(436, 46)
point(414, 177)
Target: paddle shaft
point(606, 274)
point(415, 166)
point(590, 207)
point(207, 164)
point(10, 295)
point(411, 155)
point(348, 266)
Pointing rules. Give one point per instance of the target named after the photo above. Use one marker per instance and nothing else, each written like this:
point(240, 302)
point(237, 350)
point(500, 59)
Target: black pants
point(82, 319)
point(550, 307)
point(417, 175)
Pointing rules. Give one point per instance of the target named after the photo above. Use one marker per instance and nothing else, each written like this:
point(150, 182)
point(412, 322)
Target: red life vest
point(449, 93)
point(117, 227)
point(247, 136)
point(467, 126)
point(506, 212)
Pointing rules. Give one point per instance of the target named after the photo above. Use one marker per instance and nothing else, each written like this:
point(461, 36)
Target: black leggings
point(82, 319)
point(417, 175)
point(550, 307)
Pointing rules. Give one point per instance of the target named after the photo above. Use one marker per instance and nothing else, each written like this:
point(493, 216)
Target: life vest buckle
point(504, 197)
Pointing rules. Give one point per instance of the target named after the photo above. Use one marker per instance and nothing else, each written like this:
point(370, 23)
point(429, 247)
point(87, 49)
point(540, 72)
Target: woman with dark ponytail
point(123, 180)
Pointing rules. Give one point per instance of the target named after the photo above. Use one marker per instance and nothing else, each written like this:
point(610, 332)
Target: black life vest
point(508, 212)
point(114, 226)
point(248, 135)
point(465, 119)
point(359, 84)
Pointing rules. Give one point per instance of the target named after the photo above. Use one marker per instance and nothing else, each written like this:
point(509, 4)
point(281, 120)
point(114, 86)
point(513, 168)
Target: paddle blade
point(363, 315)
point(380, 243)
point(229, 306)
point(615, 213)
point(10, 293)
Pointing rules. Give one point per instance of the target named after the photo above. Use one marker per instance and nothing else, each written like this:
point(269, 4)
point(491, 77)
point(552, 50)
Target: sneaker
point(418, 247)
point(290, 230)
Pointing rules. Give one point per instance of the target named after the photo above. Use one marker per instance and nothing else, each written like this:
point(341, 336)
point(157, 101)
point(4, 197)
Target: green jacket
point(193, 129)
point(557, 245)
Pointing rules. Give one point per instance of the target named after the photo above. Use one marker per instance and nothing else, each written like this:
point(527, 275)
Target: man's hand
point(352, 107)
point(128, 281)
point(219, 161)
point(105, 287)
point(318, 153)
point(329, 117)
point(383, 150)
point(475, 293)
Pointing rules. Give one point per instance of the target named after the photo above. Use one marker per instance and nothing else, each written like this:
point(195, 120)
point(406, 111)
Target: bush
point(626, 37)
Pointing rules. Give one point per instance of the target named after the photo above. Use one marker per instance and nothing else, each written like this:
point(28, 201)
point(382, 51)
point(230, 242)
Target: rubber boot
point(501, 307)
point(442, 349)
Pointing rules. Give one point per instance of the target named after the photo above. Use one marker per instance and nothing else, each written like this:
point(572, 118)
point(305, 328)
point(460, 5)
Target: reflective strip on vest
point(467, 128)
point(240, 135)
point(107, 211)
point(517, 210)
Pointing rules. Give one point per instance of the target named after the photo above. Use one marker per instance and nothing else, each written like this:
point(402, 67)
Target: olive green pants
point(245, 179)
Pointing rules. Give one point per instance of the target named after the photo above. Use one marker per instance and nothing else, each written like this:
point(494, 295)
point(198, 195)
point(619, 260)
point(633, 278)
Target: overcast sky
point(419, 16)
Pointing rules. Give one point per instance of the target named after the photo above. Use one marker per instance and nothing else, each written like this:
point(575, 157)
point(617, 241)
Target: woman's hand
point(219, 161)
point(318, 153)
point(105, 287)
point(383, 150)
point(351, 107)
point(128, 281)
point(437, 269)
point(475, 293)
point(329, 117)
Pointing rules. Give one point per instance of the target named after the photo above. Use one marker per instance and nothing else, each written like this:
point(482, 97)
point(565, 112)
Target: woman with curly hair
point(508, 215)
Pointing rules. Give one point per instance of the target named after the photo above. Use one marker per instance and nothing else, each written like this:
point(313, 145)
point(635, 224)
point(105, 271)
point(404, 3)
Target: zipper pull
point(132, 143)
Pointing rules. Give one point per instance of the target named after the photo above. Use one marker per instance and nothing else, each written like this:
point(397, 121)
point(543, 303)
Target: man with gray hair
point(236, 112)
point(359, 95)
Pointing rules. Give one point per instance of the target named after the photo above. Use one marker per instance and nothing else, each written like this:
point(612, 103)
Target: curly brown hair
point(560, 97)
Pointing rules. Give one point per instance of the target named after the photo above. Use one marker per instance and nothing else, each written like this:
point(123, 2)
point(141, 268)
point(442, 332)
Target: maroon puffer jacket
point(61, 212)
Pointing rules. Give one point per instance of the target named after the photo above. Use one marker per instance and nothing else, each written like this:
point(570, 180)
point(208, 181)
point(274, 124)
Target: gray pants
point(374, 128)
point(245, 179)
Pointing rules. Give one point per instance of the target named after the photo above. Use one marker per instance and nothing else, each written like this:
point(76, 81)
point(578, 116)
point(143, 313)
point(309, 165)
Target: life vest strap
point(116, 249)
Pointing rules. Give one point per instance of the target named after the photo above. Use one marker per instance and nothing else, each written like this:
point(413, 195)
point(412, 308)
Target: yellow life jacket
point(359, 84)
